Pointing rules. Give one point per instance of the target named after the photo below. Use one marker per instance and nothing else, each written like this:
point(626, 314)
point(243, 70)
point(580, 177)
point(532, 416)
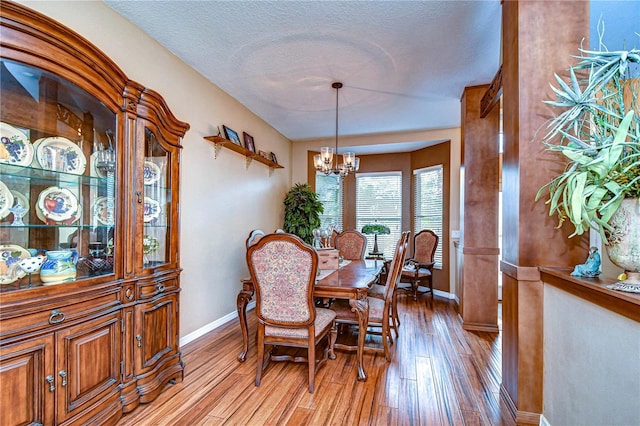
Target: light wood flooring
point(440, 374)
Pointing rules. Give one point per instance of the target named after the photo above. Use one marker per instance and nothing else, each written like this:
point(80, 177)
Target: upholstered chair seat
point(324, 319)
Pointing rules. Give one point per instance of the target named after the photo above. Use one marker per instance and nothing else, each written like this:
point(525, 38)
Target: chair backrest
point(395, 267)
point(351, 244)
point(283, 269)
point(254, 237)
point(334, 234)
point(425, 243)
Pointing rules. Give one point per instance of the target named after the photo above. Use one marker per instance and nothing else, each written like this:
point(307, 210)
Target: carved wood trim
point(492, 96)
point(69, 118)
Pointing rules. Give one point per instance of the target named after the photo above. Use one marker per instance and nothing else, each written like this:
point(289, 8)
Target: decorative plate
point(60, 154)
point(57, 204)
point(10, 256)
point(149, 244)
point(152, 209)
point(34, 163)
point(151, 173)
point(100, 211)
point(15, 147)
point(70, 221)
point(6, 200)
point(95, 171)
point(20, 199)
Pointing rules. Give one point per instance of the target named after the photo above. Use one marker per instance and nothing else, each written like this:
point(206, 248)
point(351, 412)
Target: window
point(428, 204)
point(329, 190)
point(379, 200)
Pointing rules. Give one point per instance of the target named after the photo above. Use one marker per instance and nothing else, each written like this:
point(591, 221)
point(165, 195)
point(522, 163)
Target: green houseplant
point(302, 209)
point(598, 135)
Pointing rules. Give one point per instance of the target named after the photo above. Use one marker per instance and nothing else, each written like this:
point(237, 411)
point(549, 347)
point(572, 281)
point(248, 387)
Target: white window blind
point(428, 204)
point(379, 200)
point(329, 190)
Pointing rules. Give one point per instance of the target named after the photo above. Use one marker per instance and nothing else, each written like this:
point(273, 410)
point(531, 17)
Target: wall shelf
point(220, 142)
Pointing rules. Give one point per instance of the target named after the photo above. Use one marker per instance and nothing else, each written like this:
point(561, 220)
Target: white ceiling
point(403, 64)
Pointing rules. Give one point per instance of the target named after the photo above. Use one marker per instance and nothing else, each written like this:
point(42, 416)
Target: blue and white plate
point(152, 209)
point(60, 154)
point(151, 173)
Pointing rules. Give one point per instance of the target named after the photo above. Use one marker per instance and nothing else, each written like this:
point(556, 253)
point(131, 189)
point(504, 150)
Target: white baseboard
point(544, 421)
point(444, 294)
point(212, 325)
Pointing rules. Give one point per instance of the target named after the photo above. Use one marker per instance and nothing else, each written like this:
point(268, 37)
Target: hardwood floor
point(440, 374)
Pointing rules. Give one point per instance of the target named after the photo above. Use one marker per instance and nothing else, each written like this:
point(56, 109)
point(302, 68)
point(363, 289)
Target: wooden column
point(539, 38)
point(479, 224)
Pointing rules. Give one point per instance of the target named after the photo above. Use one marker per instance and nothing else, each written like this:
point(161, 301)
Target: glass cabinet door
point(157, 210)
point(57, 180)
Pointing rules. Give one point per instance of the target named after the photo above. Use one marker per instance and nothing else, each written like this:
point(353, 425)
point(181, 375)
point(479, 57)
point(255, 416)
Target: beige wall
point(221, 200)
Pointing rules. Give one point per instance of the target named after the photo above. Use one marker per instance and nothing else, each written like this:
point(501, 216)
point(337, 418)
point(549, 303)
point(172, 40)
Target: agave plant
point(598, 132)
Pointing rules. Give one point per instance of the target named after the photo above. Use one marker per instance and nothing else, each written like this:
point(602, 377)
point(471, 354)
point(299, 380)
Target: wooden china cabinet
point(89, 178)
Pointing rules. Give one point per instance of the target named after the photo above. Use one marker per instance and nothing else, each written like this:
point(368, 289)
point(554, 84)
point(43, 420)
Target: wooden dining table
point(351, 282)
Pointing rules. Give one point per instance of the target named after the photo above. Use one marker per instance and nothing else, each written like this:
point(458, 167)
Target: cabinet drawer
point(152, 289)
point(56, 314)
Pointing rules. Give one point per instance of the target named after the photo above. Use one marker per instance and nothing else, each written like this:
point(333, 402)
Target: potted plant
point(598, 135)
point(302, 210)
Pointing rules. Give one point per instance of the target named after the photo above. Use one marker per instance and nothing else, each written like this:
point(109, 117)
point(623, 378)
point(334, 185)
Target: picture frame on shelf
point(263, 154)
point(248, 142)
point(232, 135)
point(273, 157)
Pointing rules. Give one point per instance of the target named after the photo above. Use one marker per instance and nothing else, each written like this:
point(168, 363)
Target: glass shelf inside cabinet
point(57, 180)
point(156, 240)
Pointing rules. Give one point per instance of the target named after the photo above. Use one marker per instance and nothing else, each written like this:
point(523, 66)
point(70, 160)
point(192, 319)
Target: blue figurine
point(591, 268)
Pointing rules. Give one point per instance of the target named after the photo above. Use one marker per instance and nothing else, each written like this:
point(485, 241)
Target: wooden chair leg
point(394, 308)
point(414, 287)
point(333, 334)
point(260, 350)
point(431, 291)
point(311, 355)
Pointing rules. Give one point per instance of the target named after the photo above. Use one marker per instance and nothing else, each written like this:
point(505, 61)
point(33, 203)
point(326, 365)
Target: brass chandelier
point(324, 161)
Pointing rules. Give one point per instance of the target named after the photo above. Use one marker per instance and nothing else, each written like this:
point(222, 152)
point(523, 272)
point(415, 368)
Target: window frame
point(418, 212)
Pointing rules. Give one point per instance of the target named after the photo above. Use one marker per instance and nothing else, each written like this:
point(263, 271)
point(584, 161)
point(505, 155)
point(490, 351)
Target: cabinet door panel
point(88, 364)
point(27, 397)
point(158, 330)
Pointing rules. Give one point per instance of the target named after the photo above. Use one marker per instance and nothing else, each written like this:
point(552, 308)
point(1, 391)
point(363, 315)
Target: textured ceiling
point(403, 64)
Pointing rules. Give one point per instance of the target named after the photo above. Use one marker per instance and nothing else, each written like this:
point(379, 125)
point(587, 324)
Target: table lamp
point(375, 229)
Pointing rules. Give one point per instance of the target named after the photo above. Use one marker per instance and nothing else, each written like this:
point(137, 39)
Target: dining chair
point(351, 244)
point(334, 234)
point(254, 237)
point(378, 290)
point(283, 269)
point(418, 270)
point(379, 310)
